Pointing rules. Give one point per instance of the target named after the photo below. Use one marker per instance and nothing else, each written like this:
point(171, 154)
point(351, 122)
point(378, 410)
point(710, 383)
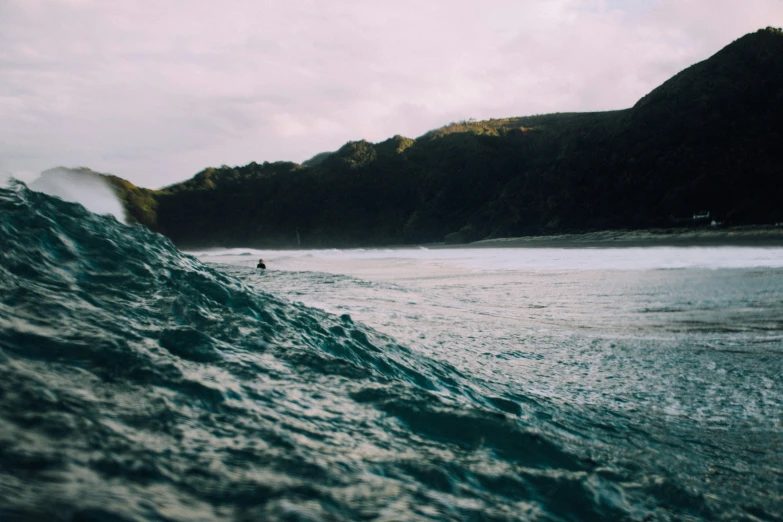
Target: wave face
point(137, 383)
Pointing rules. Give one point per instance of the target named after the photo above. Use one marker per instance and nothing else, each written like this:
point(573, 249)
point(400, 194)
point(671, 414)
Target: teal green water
point(138, 383)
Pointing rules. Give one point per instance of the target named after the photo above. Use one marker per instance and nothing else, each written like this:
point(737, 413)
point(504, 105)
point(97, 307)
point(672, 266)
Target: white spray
point(82, 186)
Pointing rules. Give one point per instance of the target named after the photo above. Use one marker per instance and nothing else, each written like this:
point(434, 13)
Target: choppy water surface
point(140, 383)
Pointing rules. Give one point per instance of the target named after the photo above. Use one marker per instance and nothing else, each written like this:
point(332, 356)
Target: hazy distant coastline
point(683, 237)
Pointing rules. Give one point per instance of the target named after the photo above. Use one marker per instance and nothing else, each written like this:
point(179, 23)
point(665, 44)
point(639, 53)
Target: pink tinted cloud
point(155, 91)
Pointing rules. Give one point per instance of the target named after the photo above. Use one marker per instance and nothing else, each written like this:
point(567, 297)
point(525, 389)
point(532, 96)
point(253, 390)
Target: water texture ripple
point(137, 383)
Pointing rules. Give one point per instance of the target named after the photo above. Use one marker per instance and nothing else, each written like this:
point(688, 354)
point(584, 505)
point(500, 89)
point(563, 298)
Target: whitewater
point(138, 382)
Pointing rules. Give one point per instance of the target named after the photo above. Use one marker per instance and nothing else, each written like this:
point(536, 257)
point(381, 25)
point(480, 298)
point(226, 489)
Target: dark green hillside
point(707, 139)
point(140, 203)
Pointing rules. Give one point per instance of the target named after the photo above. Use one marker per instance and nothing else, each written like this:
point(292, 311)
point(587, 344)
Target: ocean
point(138, 382)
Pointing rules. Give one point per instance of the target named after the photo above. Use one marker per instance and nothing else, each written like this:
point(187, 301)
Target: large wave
point(137, 383)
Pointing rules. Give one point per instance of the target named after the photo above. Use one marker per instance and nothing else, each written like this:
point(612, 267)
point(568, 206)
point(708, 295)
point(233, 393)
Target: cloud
point(156, 91)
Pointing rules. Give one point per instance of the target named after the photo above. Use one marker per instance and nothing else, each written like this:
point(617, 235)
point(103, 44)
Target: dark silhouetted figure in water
point(261, 264)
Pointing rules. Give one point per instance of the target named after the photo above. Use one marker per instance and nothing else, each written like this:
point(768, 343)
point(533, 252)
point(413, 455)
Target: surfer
point(261, 264)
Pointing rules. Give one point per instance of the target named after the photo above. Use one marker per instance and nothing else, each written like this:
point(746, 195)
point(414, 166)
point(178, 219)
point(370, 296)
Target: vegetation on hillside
point(140, 203)
point(707, 139)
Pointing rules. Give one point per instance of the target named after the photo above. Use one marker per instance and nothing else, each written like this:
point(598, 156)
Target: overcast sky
point(156, 90)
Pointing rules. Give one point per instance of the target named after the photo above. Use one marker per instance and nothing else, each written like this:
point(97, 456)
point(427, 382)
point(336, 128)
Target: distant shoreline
point(760, 236)
point(750, 236)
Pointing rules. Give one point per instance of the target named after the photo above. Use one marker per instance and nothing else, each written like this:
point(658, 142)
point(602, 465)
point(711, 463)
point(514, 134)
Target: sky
point(155, 91)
